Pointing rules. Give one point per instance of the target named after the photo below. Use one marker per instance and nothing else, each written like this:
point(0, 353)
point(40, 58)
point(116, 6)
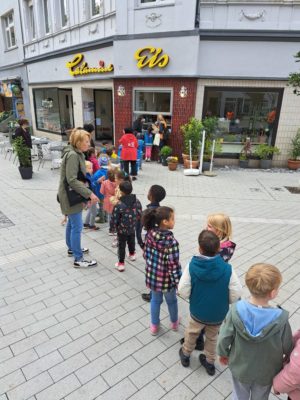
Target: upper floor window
point(96, 7)
point(63, 13)
point(46, 16)
point(31, 19)
point(9, 29)
point(156, 2)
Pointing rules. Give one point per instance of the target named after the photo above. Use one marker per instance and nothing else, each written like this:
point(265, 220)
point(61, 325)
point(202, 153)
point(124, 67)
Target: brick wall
point(183, 108)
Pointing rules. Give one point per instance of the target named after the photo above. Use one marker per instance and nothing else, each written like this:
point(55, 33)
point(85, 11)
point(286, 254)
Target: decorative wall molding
point(252, 17)
point(32, 49)
point(153, 20)
point(62, 39)
point(46, 43)
point(93, 29)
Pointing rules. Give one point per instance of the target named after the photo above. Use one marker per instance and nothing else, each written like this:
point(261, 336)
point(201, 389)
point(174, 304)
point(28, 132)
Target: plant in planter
point(265, 152)
point(172, 163)
point(245, 154)
point(23, 153)
point(191, 132)
point(210, 125)
point(294, 161)
point(164, 153)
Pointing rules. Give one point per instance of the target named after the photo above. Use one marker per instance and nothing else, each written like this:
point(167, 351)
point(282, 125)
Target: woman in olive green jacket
point(73, 162)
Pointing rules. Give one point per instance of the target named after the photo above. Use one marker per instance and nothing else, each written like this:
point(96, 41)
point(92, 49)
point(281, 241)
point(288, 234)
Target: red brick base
point(183, 108)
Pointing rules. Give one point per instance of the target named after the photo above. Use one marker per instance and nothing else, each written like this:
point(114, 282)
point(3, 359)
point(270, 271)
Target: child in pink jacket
point(288, 379)
point(108, 188)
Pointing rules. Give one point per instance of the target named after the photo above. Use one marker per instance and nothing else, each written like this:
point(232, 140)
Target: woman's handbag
point(73, 197)
point(156, 140)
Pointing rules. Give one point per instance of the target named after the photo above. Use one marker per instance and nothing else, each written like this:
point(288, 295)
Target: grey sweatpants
point(91, 215)
point(250, 391)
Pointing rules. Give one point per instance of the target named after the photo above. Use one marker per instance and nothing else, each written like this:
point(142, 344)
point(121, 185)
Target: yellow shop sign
point(151, 57)
point(83, 69)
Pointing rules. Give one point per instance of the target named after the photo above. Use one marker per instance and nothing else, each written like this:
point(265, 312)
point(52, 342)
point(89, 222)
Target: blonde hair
point(222, 224)
point(77, 136)
point(262, 278)
point(88, 164)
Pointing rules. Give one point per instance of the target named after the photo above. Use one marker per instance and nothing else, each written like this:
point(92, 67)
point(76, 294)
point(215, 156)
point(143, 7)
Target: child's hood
point(129, 200)
point(257, 323)
point(160, 239)
point(208, 268)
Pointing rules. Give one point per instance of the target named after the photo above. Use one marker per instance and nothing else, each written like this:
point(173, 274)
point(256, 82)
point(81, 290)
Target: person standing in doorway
point(129, 151)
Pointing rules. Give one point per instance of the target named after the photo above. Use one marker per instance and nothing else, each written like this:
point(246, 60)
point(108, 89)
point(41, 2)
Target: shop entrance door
point(103, 114)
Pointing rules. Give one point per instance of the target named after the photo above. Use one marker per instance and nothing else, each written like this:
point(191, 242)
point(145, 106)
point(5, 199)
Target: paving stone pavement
point(72, 334)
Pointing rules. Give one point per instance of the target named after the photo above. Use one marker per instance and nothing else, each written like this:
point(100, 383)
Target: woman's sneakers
point(154, 329)
point(84, 250)
point(120, 266)
point(210, 368)
point(85, 264)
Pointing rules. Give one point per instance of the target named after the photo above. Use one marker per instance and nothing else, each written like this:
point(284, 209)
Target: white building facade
point(232, 59)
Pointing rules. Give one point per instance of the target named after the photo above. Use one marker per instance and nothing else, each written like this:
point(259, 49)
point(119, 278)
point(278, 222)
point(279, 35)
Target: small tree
point(191, 131)
point(23, 152)
point(294, 78)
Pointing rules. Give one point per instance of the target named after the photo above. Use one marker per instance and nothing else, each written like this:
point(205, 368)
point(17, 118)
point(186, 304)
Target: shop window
point(150, 103)
point(63, 13)
point(242, 113)
point(53, 109)
point(9, 28)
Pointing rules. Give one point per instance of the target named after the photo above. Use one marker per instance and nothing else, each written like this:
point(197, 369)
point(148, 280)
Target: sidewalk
point(74, 334)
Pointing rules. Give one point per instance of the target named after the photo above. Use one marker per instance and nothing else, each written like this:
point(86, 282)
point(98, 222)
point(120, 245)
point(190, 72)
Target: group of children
point(253, 338)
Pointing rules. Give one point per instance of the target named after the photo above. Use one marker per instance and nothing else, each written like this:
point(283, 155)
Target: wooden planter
point(172, 166)
point(187, 164)
point(293, 164)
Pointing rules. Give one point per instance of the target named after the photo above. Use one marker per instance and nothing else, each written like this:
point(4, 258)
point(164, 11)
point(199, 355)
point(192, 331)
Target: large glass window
point(151, 102)
point(53, 109)
point(242, 113)
point(9, 28)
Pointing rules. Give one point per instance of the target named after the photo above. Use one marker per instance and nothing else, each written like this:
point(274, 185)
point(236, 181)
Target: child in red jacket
point(129, 151)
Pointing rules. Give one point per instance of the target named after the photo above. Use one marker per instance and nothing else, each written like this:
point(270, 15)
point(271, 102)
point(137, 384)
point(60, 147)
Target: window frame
point(46, 16)
point(7, 30)
point(31, 20)
point(153, 89)
point(91, 9)
point(64, 3)
point(59, 105)
point(155, 3)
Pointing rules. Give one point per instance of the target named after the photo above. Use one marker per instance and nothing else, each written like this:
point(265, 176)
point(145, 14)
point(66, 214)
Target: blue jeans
point(73, 235)
point(157, 299)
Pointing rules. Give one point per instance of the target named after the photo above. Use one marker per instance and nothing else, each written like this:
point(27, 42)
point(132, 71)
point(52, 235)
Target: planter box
point(265, 164)
point(294, 164)
point(187, 164)
point(25, 172)
point(172, 166)
point(244, 163)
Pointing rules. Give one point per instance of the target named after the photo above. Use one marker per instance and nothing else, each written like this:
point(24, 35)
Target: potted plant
point(191, 132)
point(245, 154)
point(23, 153)
point(172, 163)
point(294, 161)
point(265, 152)
point(164, 153)
point(210, 125)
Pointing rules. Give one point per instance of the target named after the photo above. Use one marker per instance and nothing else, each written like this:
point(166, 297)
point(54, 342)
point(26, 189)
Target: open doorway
point(103, 114)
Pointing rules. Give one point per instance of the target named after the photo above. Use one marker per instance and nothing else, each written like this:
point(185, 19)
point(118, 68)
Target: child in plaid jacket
point(163, 269)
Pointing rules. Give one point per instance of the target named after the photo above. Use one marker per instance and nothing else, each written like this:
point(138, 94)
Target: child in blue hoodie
point(210, 284)
point(92, 208)
point(98, 177)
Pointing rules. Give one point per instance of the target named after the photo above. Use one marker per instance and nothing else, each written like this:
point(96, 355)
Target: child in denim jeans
point(92, 208)
point(163, 269)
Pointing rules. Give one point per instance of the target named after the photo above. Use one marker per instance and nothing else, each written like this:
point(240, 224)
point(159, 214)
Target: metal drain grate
point(4, 221)
point(293, 189)
point(278, 189)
